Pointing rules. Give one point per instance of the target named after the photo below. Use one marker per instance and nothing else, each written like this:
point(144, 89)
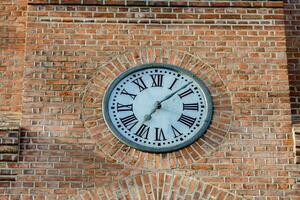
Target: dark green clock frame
point(140, 147)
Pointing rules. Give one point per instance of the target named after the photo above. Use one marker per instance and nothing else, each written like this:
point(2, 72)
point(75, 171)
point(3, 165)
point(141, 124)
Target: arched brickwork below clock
point(95, 124)
point(157, 186)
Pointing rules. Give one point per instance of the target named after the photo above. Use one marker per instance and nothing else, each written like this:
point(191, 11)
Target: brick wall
point(9, 143)
point(293, 54)
point(74, 51)
point(9, 150)
point(12, 47)
point(292, 17)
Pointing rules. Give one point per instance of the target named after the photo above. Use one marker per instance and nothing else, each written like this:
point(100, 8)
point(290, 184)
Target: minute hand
point(172, 94)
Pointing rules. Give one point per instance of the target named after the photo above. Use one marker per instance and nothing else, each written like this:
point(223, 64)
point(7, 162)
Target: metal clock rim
point(118, 135)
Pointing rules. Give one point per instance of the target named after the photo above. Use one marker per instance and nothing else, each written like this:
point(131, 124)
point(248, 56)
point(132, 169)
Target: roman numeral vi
point(159, 135)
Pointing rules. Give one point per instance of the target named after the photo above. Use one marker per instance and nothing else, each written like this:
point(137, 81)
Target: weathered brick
point(73, 52)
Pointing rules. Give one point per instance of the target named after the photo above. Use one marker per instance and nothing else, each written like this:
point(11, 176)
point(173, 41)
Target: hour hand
point(156, 106)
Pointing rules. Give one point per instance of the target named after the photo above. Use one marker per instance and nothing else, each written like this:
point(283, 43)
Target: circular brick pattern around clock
point(94, 123)
point(156, 186)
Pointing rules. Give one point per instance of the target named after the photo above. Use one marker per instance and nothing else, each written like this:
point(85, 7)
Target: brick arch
point(212, 139)
point(157, 186)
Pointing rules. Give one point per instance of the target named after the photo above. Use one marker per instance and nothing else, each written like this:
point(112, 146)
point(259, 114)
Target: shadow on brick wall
point(64, 164)
point(292, 28)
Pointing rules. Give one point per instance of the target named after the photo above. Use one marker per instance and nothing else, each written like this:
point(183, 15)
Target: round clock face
point(157, 107)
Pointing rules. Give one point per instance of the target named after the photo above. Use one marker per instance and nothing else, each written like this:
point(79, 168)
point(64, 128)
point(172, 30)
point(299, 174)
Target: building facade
point(57, 58)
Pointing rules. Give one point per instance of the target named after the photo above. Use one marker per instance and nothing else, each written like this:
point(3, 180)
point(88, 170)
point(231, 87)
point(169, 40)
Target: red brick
point(71, 54)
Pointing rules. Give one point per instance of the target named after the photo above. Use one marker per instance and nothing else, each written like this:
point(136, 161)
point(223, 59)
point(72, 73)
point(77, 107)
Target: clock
point(157, 107)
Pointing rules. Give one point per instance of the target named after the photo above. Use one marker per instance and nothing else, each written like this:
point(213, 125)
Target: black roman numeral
point(186, 120)
point(159, 135)
point(129, 122)
point(121, 107)
point(140, 83)
point(157, 80)
point(190, 106)
point(143, 131)
point(176, 132)
point(186, 93)
point(129, 94)
point(173, 83)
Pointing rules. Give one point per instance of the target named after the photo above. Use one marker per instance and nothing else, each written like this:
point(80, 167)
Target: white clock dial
point(157, 107)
